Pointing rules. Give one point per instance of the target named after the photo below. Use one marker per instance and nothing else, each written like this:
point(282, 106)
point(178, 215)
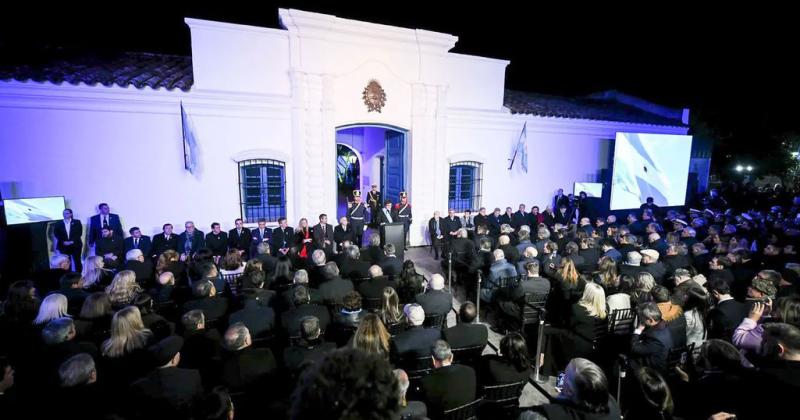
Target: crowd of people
point(306, 323)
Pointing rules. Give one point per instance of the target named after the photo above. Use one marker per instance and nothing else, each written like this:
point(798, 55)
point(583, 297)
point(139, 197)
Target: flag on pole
point(189, 142)
point(521, 149)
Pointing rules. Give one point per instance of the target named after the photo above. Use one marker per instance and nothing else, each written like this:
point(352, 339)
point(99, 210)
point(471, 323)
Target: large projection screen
point(650, 165)
point(32, 210)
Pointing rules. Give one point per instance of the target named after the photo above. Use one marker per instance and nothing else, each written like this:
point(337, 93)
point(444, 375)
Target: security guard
point(356, 215)
point(402, 213)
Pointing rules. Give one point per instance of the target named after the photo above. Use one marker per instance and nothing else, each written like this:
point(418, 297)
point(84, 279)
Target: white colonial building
point(279, 118)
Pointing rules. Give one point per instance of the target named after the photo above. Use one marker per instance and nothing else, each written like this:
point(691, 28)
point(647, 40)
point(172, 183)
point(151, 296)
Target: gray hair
point(441, 351)
point(56, 261)
point(498, 254)
point(649, 310)
point(57, 330)
point(530, 252)
point(375, 239)
point(462, 233)
point(375, 271)
point(353, 252)
point(388, 249)
point(634, 258)
point(300, 277)
point(543, 233)
point(77, 370)
point(309, 327)
point(330, 270)
point(318, 257)
point(192, 319)
point(133, 254)
point(263, 248)
point(236, 336)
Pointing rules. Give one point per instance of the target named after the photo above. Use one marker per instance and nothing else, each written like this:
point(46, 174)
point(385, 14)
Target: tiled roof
point(585, 108)
point(124, 69)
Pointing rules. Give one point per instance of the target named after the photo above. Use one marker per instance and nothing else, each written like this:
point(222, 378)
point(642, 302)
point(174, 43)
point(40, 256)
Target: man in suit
point(239, 238)
point(135, 261)
point(168, 386)
point(450, 228)
point(202, 346)
point(449, 385)
point(138, 241)
point(374, 202)
point(402, 213)
point(385, 216)
point(256, 315)
point(416, 341)
point(49, 280)
point(352, 267)
point(164, 241)
point(560, 199)
point(310, 349)
point(217, 241)
point(519, 218)
point(205, 298)
point(259, 235)
point(481, 219)
point(436, 300)
point(465, 333)
point(727, 313)
point(499, 270)
point(291, 319)
point(69, 240)
point(110, 247)
point(357, 216)
point(495, 220)
point(464, 251)
point(323, 236)
point(245, 367)
point(190, 241)
point(104, 219)
point(564, 215)
point(507, 299)
point(436, 233)
point(652, 339)
point(390, 264)
point(467, 221)
point(373, 288)
point(343, 232)
point(333, 288)
point(282, 238)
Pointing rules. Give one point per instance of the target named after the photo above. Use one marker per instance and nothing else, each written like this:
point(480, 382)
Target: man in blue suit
point(104, 219)
point(138, 241)
point(259, 235)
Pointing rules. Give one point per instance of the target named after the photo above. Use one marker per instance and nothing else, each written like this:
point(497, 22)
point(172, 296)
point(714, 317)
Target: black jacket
point(144, 244)
point(435, 302)
point(449, 387)
point(651, 347)
point(391, 265)
point(161, 244)
point(75, 236)
point(248, 369)
point(414, 342)
point(198, 241)
point(466, 335)
point(724, 319)
point(239, 241)
point(172, 389)
point(218, 244)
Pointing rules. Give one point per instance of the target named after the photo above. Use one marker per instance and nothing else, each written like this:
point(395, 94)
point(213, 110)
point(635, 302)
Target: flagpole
point(183, 137)
point(516, 149)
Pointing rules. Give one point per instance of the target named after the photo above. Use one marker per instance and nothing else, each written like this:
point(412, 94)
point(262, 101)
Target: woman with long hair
point(124, 354)
point(53, 306)
point(21, 304)
point(511, 365)
point(94, 320)
point(606, 275)
point(390, 308)
point(371, 336)
point(283, 274)
point(95, 276)
point(303, 239)
point(232, 263)
point(654, 399)
point(643, 285)
point(410, 283)
point(123, 289)
point(170, 261)
point(567, 289)
point(251, 268)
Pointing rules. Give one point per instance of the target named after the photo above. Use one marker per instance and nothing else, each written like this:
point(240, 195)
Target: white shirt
point(67, 224)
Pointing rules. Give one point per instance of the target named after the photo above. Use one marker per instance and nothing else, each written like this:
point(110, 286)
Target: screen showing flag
point(31, 210)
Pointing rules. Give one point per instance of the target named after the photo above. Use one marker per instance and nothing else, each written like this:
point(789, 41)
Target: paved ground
point(426, 265)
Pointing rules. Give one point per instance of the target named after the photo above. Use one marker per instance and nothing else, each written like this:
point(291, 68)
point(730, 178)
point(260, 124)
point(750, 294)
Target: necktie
point(438, 232)
point(136, 243)
point(105, 221)
point(69, 226)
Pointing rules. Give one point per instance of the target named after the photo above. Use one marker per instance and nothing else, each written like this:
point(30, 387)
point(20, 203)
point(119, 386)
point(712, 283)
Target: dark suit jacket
point(373, 288)
point(281, 239)
point(145, 245)
point(144, 271)
point(449, 387)
point(495, 370)
point(111, 245)
point(432, 229)
point(382, 219)
point(75, 235)
point(296, 358)
point(240, 242)
point(214, 308)
point(256, 238)
point(260, 320)
point(48, 280)
point(340, 235)
point(248, 368)
point(466, 335)
point(320, 237)
point(435, 302)
point(198, 241)
point(161, 244)
point(354, 269)
point(291, 318)
point(372, 254)
point(450, 226)
point(391, 266)
point(218, 244)
point(518, 219)
point(333, 290)
point(724, 319)
point(173, 387)
point(414, 342)
point(95, 226)
point(651, 347)
point(200, 348)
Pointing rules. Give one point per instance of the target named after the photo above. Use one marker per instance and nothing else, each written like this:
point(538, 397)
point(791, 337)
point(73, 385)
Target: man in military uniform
point(402, 213)
point(374, 201)
point(356, 215)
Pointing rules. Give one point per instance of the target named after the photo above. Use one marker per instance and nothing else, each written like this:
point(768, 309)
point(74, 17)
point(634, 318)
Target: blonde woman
point(53, 306)
point(390, 308)
point(123, 289)
point(125, 354)
point(371, 336)
point(94, 274)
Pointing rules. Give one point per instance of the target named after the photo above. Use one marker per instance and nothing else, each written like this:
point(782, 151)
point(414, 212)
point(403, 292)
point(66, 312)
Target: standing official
point(356, 215)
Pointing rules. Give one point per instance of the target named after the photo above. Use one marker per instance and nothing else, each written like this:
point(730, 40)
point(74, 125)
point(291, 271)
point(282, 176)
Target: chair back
point(465, 412)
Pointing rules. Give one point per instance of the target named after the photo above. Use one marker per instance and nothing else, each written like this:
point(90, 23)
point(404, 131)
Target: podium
point(394, 233)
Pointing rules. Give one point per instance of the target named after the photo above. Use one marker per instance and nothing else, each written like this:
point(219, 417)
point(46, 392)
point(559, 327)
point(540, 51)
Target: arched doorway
point(348, 176)
point(382, 154)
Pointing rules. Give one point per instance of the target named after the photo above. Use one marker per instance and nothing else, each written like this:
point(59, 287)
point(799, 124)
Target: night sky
point(736, 69)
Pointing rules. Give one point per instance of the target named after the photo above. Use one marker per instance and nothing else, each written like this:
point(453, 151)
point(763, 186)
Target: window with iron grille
point(262, 189)
point(465, 186)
